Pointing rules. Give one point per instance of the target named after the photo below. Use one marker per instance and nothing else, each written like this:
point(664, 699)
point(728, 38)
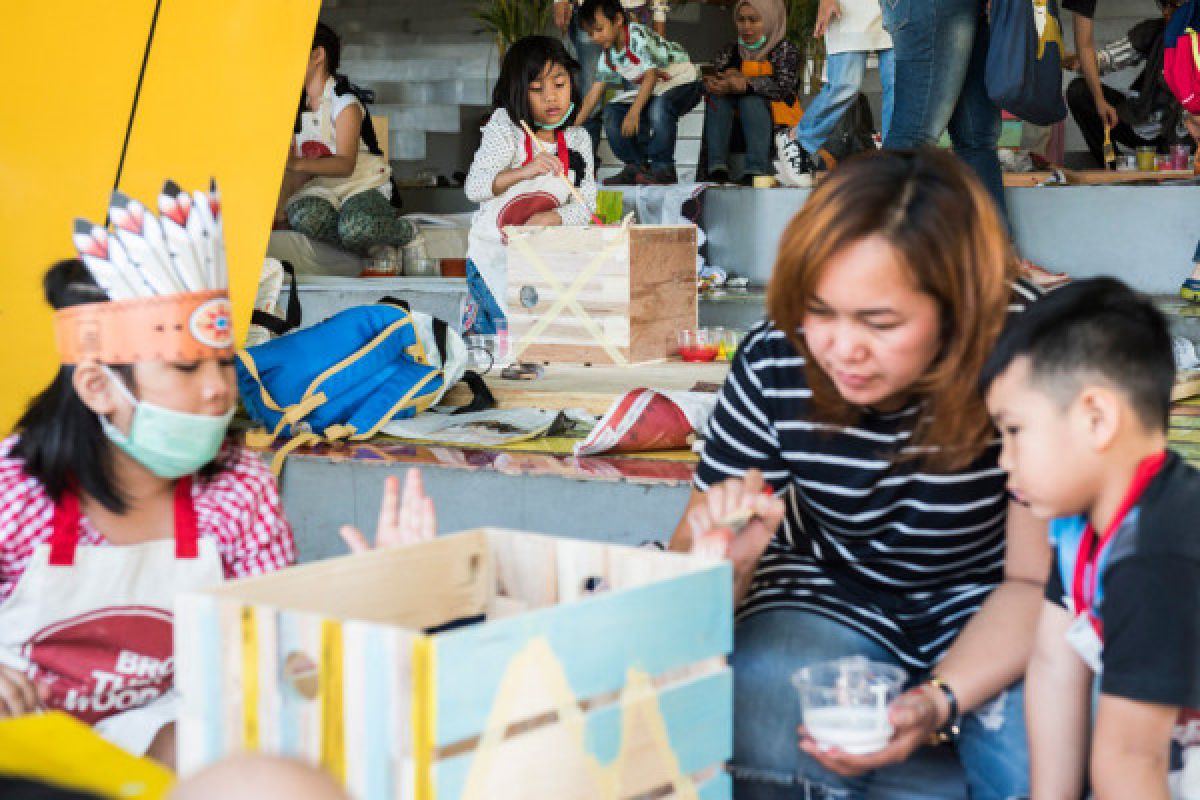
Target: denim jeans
point(844, 77)
point(768, 765)
point(655, 141)
point(941, 50)
point(755, 115)
point(587, 53)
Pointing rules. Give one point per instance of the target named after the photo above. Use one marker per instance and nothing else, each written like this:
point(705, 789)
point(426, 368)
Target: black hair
point(327, 38)
point(610, 8)
point(12, 788)
point(524, 62)
point(61, 441)
point(1098, 326)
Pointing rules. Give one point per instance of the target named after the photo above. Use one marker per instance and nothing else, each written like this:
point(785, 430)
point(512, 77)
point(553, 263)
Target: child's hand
point(400, 523)
point(1193, 126)
point(543, 164)
point(545, 218)
point(18, 695)
point(562, 14)
point(827, 12)
point(632, 123)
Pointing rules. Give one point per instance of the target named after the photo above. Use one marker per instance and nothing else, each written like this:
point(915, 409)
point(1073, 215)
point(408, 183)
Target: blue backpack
point(348, 376)
point(1024, 67)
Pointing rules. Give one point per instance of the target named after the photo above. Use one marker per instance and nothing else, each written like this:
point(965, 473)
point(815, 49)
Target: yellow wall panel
point(71, 70)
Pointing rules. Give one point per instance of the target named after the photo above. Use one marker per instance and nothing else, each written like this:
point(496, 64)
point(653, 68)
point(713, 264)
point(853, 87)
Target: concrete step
point(457, 91)
point(439, 118)
point(406, 144)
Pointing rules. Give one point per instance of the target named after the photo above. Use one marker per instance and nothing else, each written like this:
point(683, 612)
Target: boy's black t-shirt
point(1149, 591)
point(1086, 8)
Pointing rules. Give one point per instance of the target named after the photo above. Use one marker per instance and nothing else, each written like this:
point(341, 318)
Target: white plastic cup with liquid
point(845, 702)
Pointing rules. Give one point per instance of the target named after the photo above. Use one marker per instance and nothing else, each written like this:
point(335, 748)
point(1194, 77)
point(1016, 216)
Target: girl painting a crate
point(526, 167)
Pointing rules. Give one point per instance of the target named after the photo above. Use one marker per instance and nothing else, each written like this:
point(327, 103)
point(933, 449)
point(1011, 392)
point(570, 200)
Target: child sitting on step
point(660, 85)
point(519, 179)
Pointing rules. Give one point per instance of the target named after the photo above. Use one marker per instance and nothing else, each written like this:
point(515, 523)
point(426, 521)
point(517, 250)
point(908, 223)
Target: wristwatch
point(948, 732)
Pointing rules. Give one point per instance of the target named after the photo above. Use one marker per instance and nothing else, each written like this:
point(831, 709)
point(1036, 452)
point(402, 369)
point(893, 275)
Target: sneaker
point(720, 175)
point(664, 176)
point(796, 166)
point(628, 176)
point(1044, 278)
point(1190, 290)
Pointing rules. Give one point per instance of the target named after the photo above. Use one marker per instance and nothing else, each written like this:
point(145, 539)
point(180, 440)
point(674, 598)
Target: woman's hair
point(524, 62)
point(946, 232)
point(61, 441)
point(327, 38)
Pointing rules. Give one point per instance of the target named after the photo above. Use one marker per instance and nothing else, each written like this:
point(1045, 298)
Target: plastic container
point(1162, 162)
point(1180, 153)
point(1145, 158)
point(731, 340)
point(454, 268)
point(698, 345)
point(423, 268)
point(845, 702)
point(413, 250)
point(386, 267)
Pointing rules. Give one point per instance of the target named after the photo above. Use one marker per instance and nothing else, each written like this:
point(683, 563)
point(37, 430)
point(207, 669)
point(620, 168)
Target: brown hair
point(946, 231)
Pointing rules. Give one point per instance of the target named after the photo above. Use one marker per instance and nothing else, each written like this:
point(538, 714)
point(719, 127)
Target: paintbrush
point(738, 520)
point(1110, 153)
point(570, 186)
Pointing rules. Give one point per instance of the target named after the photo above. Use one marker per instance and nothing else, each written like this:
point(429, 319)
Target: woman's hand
point(401, 523)
point(735, 81)
point(18, 695)
point(545, 218)
point(827, 12)
point(916, 715)
point(708, 520)
point(542, 164)
point(715, 85)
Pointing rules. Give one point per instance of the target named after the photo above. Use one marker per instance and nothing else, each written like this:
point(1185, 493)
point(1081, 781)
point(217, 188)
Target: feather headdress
point(166, 279)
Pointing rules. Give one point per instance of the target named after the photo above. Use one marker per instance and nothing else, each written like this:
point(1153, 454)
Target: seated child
point(756, 79)
point(852, 30)
point(337, 187)
point(1080, 389)
point(661, 85)
point(519, 181)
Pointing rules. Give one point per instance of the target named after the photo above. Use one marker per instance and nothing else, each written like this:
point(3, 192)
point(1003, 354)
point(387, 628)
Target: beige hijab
point(774, 15)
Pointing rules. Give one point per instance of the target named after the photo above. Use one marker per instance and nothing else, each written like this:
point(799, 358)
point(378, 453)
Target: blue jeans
point(655, 140)
point(844, 73)
point(941, 50)
point(755, 115)
point(587, 53)
point(768, 765)
point(483, 311)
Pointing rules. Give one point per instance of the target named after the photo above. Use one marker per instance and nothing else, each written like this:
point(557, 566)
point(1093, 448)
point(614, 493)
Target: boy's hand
point(1070, 62)
point(543, 164)
point(1108, 114)
point(400, 523)
point(632, 123)
point(827, 12)
point(545, 218)
point(915, 716)
point(18, 695)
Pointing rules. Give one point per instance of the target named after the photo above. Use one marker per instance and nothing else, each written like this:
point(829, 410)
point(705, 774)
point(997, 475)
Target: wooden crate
point(600, 295)
point(558, 692)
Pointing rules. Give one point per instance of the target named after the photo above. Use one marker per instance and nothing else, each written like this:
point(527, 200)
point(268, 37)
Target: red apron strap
point(66, 530)
point(186, 530)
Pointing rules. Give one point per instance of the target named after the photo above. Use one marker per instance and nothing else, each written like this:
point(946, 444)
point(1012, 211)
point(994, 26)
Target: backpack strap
point(292, 317)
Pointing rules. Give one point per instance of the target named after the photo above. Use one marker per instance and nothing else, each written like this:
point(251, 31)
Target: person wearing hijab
point(755, 80)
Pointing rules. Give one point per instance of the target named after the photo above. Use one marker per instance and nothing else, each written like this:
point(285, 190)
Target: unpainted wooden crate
point(600, 294)
point(577, 670)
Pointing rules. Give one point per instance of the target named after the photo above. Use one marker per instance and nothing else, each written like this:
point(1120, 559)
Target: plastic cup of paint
point(845, 702)
point(1179, 156)
point(1145, 158)
point(698, 345)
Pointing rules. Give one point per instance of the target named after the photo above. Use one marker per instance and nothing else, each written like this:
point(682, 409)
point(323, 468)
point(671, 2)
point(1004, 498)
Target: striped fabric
point(899, 554)
point(239, 508)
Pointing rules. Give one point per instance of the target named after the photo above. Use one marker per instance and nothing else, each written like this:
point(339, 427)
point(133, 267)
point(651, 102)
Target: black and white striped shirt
point(899, 554)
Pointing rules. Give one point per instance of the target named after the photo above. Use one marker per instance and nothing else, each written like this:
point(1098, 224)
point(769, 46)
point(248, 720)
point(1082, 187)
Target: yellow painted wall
point(218, 99)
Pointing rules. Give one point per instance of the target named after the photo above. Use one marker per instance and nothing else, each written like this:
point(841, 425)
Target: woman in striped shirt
point(887, 531)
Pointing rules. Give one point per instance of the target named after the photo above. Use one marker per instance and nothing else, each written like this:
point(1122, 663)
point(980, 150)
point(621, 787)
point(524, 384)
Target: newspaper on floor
point(485, 428)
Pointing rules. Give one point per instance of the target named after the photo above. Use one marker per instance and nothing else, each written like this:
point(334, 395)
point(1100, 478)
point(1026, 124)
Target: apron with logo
point(92, 625)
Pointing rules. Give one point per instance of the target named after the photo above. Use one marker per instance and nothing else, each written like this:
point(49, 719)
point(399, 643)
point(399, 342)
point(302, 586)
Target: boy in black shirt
point(1080, 389)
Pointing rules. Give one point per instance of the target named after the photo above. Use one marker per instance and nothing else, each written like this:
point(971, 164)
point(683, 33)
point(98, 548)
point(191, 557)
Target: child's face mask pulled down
point(169, 443)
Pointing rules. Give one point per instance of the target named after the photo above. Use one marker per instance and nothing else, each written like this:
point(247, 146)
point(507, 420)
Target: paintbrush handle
point(570, 186)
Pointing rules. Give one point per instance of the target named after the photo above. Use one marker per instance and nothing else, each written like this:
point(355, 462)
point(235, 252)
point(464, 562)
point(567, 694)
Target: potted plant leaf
point(510, 20)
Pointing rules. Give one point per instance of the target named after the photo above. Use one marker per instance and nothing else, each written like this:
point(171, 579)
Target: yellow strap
point(296, 441)
point(424, 715)
point(331, 694)
point(566, 298)
point(249, 679)
point(1195, 47)
point(259, 438)
point(252, 368)
point(404, 402)
point(357, 354)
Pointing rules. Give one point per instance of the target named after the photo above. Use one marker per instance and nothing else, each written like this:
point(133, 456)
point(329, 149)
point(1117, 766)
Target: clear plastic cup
point(845, 702)
point(698, 344)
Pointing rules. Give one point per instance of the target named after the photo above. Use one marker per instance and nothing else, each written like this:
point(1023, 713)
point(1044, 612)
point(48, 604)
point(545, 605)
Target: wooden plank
point(1094, 177)
point(630, 747)
point(655, 628)
point(414, 587)
point(525, 568)
point(198, 671)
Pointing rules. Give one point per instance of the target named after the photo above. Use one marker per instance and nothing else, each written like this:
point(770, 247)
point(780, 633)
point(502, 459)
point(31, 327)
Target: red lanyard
point(629, 55)
point(560, 140)
point(1087, 559)
point(67, 515)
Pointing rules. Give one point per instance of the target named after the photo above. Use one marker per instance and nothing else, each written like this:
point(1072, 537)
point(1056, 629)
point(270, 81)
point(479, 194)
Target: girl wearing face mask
point(890, 534)
point(755, 81)
point(119, 490)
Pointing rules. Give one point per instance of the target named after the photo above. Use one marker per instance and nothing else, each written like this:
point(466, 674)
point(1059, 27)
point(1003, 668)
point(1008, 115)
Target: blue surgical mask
point(563, 121)
point(169, 443)
point(753, 45)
